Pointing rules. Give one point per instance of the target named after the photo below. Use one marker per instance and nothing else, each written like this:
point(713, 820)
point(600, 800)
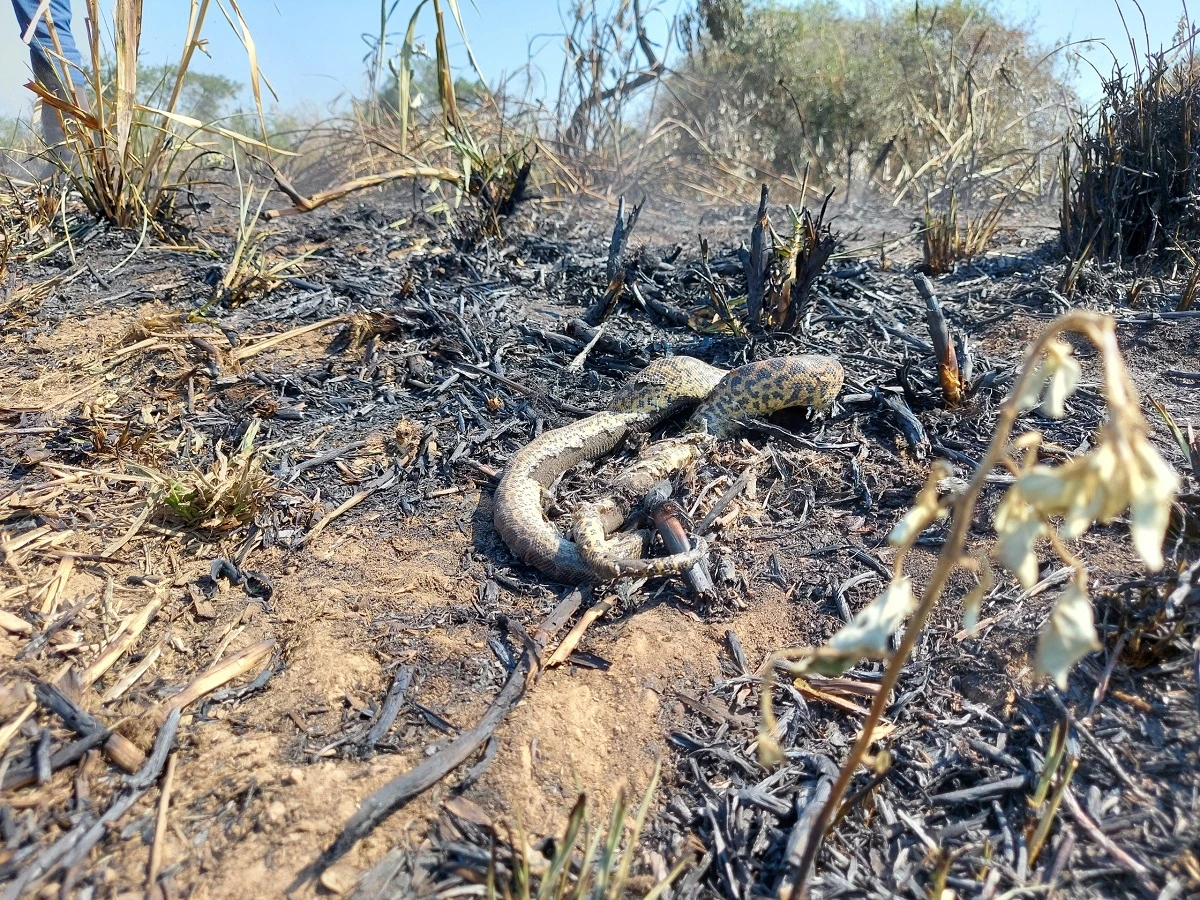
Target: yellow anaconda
point(663, 388)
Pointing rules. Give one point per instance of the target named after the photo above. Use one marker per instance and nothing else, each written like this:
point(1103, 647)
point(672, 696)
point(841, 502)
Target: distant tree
point(881, 89)
point(205, 96)
point(469, 92)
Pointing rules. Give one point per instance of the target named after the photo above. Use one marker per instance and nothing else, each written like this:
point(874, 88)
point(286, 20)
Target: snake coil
point(723, 400)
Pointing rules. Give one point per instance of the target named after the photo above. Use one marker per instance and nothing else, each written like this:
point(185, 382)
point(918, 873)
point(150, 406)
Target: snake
point(721, 399)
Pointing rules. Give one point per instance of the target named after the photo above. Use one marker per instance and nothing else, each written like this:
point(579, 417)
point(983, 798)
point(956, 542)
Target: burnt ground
point(369, 562)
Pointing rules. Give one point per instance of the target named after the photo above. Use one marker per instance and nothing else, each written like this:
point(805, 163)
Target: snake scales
point(722, 399)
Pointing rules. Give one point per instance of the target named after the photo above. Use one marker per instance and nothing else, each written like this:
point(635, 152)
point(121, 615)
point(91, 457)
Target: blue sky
point(312, 50)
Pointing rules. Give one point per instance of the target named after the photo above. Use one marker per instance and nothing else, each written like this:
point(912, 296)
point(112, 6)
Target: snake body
point(662, 389)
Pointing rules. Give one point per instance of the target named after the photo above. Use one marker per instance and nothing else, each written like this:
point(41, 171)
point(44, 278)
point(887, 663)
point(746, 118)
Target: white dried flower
point(1153, 485)
point(1085, 490)
point(924, 512)
point(866, 636)
point(974, 597)
point(1068, 635)
point(1099, 486)
point(1052, 381)
point(1018, 527)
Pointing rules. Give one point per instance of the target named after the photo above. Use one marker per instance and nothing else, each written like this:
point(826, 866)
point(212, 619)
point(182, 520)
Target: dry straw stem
point(1126, 429)
point(160, 826)
point(249, 351)
point(131, 158)
point(223, 672)
point(304, 204)
point(128, 632)
point(948, 238)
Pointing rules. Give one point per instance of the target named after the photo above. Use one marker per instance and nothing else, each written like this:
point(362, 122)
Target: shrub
point(915, 98)
point(204, 96)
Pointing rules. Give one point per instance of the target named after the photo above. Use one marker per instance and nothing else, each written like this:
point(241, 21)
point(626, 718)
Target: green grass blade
point(404, 77)
point(559, 872)
point(618, 886)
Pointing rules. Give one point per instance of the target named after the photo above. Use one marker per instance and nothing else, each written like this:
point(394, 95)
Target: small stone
point(294, 776)
point(340, 878)
point(650, 701)
point(276, 812)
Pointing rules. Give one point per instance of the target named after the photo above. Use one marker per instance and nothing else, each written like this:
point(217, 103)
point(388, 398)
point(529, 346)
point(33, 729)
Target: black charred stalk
point(908, 423)
point(20, 776)
point(603, 308)
point(615, 271)
point(817, 245)
point(716, 293)
point(756, 265)
point(390, 709)
point(949, 376)
point(518, 192)
point(582, 331)
point(622, 229)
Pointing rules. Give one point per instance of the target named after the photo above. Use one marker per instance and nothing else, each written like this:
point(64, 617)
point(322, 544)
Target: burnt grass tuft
point(1132, 175)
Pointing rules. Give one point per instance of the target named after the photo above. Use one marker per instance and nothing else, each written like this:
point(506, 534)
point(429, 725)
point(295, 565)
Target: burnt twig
point(25, 776)
point(118, 748)
point(949, 376)
point(75, 845)
point(390, 709)
point(816, 243)
point(799, 836)
point(756, 263)
point(616, 273)
point(908, 423)
point(377, 807)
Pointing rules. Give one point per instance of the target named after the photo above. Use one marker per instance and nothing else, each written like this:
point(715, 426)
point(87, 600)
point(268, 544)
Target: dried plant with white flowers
point(1122, 472)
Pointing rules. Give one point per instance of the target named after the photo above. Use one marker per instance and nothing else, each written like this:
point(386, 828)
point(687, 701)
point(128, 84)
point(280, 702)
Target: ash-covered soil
point(370, 565)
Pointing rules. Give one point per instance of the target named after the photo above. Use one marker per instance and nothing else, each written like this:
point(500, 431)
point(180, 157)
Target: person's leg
point(43, 55)
point(42, 42)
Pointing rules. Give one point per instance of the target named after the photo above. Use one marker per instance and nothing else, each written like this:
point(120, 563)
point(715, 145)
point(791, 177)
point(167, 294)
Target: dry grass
point(225, 495)
point(951, 236)
point(621, 122)
point(976, 115)
point(253, 270)
point(478, 152)
point(27, 214)
point(127, 160)
point(518, 872)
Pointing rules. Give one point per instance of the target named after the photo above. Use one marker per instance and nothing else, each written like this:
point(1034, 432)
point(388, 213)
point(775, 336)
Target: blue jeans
point(47, 68)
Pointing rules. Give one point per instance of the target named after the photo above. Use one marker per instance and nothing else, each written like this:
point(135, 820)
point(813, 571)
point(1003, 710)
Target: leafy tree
point(950, 93)
point(205, 96)
point(469, 92)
